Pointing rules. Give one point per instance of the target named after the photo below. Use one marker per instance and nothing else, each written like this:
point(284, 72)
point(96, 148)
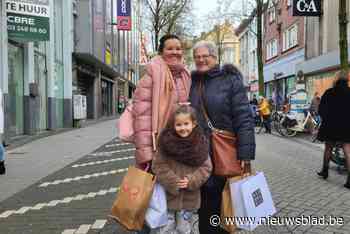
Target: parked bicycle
point(338, 157)
point(289, 127)
point(276, 118)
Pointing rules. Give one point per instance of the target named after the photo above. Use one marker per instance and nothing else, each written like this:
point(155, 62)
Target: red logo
point(133, 192)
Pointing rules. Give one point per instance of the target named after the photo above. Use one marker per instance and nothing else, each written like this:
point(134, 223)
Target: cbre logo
point(306, 7)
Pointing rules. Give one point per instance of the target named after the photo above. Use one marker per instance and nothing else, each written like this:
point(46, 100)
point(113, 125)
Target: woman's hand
point(246, 166)
point(182, 184)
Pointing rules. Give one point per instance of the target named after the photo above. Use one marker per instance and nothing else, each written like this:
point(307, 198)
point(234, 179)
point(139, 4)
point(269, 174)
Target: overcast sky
point(203, 7)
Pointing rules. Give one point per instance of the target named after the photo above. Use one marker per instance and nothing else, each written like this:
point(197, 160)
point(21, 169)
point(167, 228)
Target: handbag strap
point(205, 112)
point(203, 107)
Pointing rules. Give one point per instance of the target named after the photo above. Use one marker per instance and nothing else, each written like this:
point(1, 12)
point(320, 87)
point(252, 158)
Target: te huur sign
point(28, 20)
point(306, 7)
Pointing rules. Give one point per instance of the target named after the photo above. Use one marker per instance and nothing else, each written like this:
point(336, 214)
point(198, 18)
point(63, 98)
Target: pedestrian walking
point(265, 113)
point(227, 106)
point(165, 84)
point(335, 125)
point(2, 150)
point(182, 165)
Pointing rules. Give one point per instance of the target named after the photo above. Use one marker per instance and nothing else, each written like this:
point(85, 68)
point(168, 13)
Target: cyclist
point(265, 113)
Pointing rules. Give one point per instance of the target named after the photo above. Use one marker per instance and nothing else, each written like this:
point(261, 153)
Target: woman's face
point(172, 52)
point(203, 60)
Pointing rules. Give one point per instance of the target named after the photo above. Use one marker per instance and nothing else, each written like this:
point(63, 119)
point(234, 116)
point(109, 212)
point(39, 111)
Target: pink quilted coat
point(154, 100)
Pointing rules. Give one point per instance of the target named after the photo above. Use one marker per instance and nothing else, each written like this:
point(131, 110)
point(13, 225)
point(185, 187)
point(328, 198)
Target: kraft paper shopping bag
point(132, 201)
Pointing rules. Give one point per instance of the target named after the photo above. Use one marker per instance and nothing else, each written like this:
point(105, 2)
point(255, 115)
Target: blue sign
point(124, 15)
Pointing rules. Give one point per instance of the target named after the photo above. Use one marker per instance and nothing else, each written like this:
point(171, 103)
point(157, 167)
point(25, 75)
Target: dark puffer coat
point(227, 105)
point(335, 113)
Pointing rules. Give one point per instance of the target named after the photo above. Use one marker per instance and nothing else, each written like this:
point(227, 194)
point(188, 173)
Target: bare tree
point(259, 53)
point(343, 40)
point(164, 14)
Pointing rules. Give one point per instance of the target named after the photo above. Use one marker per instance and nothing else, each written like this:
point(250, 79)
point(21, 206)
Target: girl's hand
point(182, 184)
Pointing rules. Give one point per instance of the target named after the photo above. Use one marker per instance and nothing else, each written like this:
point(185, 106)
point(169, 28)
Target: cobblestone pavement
point(77, 199)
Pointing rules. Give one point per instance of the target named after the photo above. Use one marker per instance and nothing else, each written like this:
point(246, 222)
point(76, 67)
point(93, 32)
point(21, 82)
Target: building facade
point(283, 48)
point(322, 49)
point(106, 60)
point(84, 53)
point(248, 61)
point(36, 75)
point(224, 37)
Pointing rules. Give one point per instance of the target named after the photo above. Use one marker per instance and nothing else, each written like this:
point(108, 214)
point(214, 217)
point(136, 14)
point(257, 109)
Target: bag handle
point(203, 107)
point(205, 112)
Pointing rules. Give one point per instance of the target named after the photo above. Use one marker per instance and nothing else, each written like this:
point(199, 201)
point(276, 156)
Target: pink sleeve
point(142, 107)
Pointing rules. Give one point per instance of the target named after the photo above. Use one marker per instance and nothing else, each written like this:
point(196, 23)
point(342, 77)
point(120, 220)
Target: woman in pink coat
point(165, 84)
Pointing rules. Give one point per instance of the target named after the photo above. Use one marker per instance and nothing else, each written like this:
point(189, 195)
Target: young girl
point(182, 165)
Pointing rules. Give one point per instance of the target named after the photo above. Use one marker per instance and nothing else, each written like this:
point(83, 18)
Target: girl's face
point(172, 52)
point(184, 125)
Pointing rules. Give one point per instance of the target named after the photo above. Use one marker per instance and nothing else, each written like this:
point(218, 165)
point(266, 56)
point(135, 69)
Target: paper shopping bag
point(157, 212)
point(131, 203)
point(226, 206)
point(125, 125)
point(251, 200)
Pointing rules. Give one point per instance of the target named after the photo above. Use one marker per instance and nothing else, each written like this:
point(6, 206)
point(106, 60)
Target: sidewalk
point(29, 163)
point(303, 138)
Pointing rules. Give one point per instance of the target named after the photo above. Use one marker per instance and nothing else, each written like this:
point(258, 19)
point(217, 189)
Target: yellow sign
point(108, 58)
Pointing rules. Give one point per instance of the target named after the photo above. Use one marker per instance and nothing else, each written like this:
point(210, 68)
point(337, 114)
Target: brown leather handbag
point(224, 147)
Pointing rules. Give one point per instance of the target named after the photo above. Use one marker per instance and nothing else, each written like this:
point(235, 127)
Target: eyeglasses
point(204, 57)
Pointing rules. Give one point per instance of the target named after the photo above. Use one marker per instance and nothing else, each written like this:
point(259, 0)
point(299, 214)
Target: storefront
point(319, 83)
point(107, 97)
point(35, 76)
point(278, 90)
point(15, 107)
point(280, 76)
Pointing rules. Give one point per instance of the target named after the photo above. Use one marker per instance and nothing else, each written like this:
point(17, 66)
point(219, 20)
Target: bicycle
point(314, 132)
point(259, 124)
point(290, 127)
point(338, 157)
point(276, 118)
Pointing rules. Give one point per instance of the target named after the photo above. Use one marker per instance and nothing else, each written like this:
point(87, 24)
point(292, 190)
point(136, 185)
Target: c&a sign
point(306, 7)
point(124, 15)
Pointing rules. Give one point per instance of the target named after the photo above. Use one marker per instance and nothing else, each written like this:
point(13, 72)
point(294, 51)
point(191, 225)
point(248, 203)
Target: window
point(290, 37)
point(271, 49)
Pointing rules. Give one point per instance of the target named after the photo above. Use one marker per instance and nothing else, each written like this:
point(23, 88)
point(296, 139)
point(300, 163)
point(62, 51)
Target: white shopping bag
point(157, 212)
point(251, 201)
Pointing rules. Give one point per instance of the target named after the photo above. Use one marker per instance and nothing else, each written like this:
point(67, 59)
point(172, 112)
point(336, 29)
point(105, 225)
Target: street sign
point(28, 20)
point(306, 7)
point(124, 15)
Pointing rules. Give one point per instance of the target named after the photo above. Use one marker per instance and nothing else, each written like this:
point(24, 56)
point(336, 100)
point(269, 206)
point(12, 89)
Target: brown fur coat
point(170, 169)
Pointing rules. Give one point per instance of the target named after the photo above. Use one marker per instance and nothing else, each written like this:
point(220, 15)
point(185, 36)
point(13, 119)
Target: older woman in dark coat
point(335, 127)
point(228, 109)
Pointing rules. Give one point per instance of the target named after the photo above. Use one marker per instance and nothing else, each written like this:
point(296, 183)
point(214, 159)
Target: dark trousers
point(267, 123)
point(210, 205)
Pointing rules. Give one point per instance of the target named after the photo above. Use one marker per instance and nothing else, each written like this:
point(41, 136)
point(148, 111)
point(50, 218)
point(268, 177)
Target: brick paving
point(289, 165)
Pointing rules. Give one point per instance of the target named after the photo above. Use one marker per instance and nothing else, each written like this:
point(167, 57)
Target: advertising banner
point(306, 7)
point(28, 20)
point(124, 15)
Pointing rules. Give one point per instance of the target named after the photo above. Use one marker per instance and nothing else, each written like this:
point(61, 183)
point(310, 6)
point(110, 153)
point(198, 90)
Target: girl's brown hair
point(182, 109)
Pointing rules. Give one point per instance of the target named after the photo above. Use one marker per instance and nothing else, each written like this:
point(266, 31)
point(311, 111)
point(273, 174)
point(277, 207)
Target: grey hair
point(207, 44)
